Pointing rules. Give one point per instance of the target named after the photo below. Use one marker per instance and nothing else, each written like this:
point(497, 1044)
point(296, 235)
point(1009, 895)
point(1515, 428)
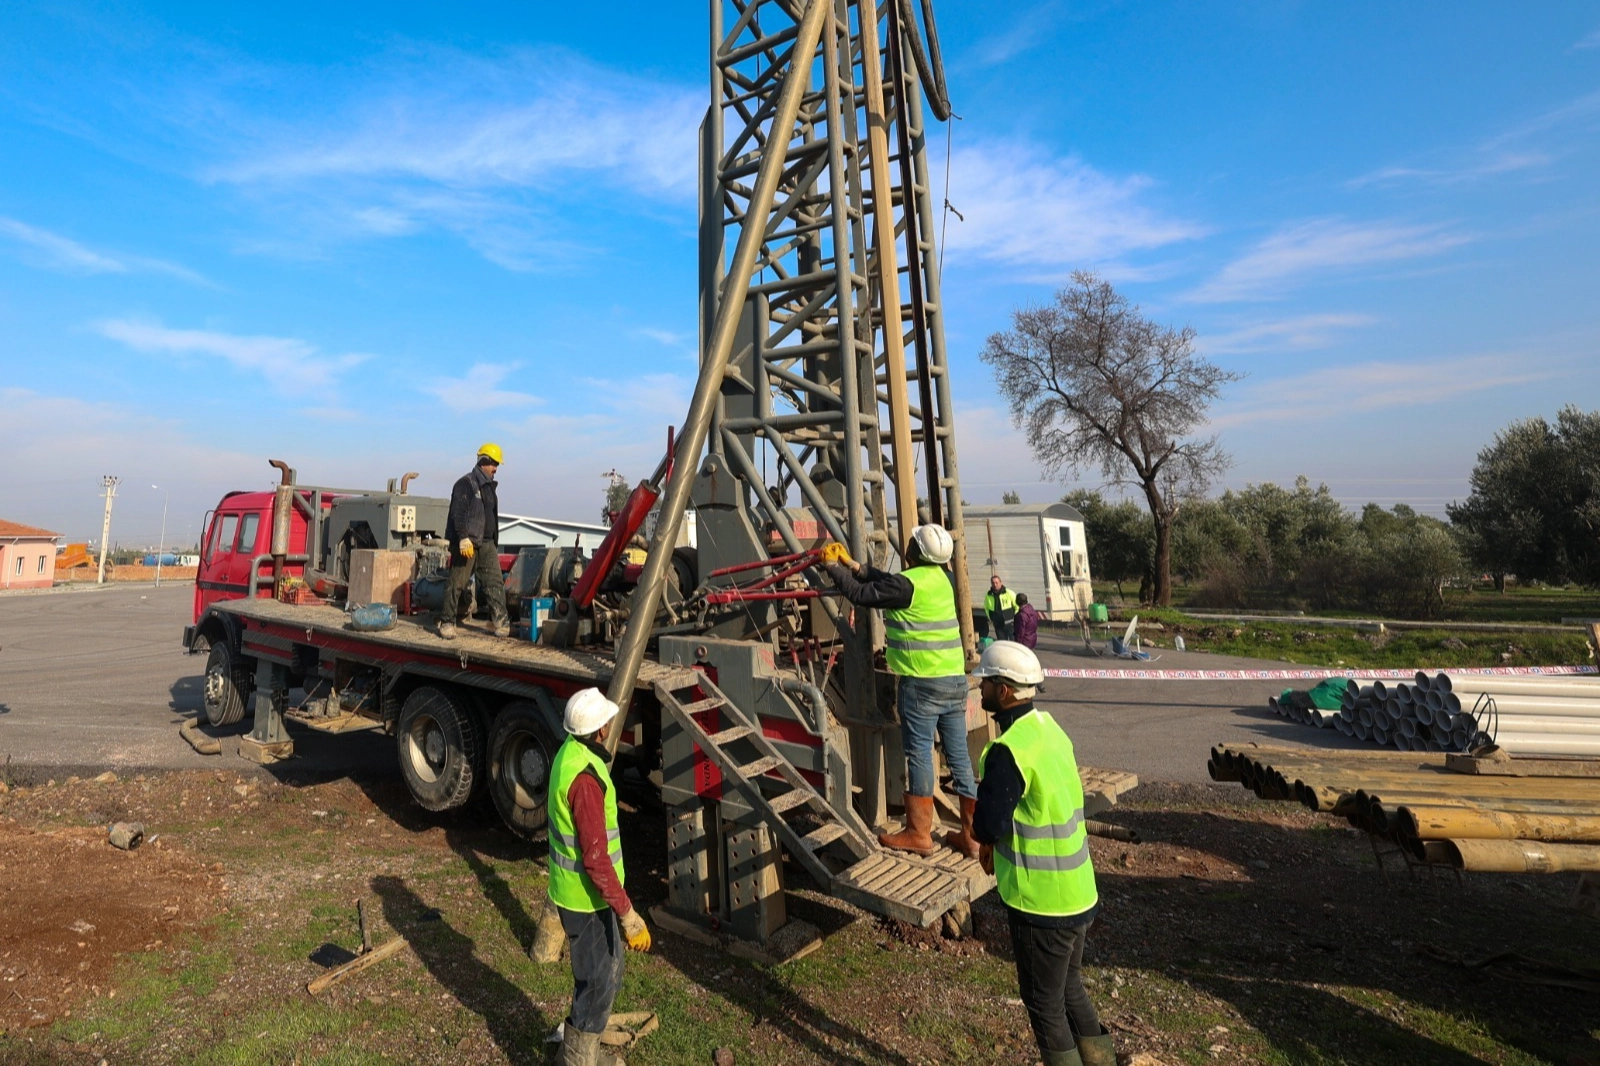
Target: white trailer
point(1039, 549)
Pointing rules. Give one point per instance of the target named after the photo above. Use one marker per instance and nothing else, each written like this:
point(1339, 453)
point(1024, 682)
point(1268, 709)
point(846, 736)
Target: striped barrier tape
point(1315, 673)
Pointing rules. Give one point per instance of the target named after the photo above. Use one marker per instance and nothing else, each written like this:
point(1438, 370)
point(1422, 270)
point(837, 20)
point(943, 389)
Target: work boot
point(1097, 1050)
point(1063, 1058)
point(502, 629)
point(962, 840)
point(915, 836)
point(447, 630)
point(579, 1048)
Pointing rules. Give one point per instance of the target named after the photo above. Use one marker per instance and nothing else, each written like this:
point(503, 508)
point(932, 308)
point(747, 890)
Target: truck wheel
point(441, 749)
point(227, 686)
point(521, 749)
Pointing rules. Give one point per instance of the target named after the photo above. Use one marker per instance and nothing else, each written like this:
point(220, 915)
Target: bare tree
point(1095, 383)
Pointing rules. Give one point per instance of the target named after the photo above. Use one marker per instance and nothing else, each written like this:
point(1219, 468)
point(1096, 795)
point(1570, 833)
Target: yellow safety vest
point(924, 640)
point(1044, 867)
point(570, 885)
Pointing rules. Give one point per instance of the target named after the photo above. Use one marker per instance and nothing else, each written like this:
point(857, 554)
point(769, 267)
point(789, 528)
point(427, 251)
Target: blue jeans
point(929, 704)
point(597, 963)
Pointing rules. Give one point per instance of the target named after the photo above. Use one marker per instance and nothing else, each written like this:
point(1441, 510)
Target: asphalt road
point(96, 679)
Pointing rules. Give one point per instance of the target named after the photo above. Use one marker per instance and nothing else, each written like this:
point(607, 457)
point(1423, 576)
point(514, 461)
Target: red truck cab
point(236, 554)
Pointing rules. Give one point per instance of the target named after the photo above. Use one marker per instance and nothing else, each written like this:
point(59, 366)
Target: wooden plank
point(880, 876)
point(821, 838)
point(729, 735)
point(910, 887)
point(792, 798)
point(356, 965)
point(760, 766)
point(1516, 767)
point(872, 862)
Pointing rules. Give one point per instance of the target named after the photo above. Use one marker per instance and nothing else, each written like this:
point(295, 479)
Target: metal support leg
point(692, 863)
point(269, 741)
point(754, 882)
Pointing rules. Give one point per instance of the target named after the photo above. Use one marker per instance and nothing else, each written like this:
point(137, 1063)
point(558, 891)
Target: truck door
point(213, 584)
point(244, 552)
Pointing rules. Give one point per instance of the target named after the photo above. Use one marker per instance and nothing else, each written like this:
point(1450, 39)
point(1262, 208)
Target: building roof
point(9, 530)
point(1063, 511)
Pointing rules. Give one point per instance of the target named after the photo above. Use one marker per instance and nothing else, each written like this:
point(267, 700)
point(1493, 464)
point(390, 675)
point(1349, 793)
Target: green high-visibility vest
point(924, 640)
point(1044, 867)
point(570, 886)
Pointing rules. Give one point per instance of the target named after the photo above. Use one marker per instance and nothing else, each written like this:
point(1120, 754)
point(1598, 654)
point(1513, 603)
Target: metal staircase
point(890, 883)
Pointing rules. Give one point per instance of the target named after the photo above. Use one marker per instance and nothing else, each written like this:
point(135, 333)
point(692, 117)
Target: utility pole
point(110, 494)
point(161, 549)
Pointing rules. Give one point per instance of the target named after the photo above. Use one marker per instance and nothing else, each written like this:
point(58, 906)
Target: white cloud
point(1026, 208)
point(480, 390)
point(477, 146)
point(1375, 386)
point(56, 252)
point(1295, 251)
point(1028, 29)
point(290, 364)
point(1591, 41)
point(1300, 333)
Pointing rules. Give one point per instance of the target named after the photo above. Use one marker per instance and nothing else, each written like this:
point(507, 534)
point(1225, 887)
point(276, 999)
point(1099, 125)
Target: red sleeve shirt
point(587, 798)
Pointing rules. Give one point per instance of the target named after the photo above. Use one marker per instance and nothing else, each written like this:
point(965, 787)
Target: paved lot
point(91, 679)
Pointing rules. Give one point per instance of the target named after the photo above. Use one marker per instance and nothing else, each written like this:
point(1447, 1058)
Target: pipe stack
point(1470, 821)
point(1441, 713)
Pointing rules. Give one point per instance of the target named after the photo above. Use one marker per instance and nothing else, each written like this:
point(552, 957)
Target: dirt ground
point(1238, 931)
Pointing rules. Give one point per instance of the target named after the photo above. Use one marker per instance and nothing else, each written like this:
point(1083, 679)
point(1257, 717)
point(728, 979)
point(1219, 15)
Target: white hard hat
point(934, 543)
point(588, 710)
point(1013, 662)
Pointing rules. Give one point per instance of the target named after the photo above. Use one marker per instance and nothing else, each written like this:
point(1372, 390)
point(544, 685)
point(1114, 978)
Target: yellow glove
point(636, 931)
point(834, 552)
point(467, 550)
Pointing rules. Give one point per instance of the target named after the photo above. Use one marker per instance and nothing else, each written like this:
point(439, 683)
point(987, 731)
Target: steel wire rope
point(929, 61)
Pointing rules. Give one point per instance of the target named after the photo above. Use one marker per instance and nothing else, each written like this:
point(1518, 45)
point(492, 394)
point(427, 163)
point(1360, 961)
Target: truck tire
point(441, 749)
point(521, 749)
point(227, 685)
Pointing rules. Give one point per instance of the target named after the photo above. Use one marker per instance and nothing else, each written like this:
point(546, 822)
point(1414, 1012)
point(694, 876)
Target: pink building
point(27, 556)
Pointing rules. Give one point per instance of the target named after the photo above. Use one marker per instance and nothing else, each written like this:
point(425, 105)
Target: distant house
point(27, 556)
point(1039, 549)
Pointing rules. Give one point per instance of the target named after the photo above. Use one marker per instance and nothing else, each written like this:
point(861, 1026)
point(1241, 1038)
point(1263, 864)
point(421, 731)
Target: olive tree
point(1094, 383)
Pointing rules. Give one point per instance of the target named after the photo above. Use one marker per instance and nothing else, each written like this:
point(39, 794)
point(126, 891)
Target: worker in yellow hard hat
point(473, 530)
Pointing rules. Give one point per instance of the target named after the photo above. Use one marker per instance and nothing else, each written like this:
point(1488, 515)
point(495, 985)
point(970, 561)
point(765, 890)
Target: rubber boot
point(1063, 1058)
point(916, 836)
point(1097, 1050)
point(962, 840)
point(585, 1049)
point(447, 630)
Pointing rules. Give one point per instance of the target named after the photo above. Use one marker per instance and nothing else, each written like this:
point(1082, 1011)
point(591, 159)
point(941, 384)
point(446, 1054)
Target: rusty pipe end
point(405, 480)
point(283, 467)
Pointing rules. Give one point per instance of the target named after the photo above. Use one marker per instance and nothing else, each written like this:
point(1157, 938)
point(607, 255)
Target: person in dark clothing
point(473, 530)
point(1027, 623)
point(586, 876)
point(1030, 825)
point(1001, 607)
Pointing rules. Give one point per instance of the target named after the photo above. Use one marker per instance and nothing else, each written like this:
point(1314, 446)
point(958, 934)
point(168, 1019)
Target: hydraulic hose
point(929, 60)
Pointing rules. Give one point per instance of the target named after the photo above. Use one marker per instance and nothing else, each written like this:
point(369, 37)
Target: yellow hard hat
point(491, 451)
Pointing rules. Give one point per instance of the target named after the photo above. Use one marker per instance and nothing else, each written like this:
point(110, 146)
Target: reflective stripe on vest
point(1004, 605)
point(1044, 868)
point(570, 885)
point(924, 639)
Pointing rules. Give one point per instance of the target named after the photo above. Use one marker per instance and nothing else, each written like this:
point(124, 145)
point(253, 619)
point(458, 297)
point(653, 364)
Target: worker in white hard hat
point(586, 876)
point(923, 647)
point(473, 530)
point(1030, 821)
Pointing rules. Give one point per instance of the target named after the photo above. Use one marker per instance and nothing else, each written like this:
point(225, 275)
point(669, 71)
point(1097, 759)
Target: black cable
point(929, 60)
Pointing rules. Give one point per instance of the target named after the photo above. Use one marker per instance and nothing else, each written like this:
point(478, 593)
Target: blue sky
point(367, 238)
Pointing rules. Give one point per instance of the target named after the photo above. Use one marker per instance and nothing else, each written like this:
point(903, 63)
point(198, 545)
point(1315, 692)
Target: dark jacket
point(874, 588)
point(1026, 632)
point(474, 510)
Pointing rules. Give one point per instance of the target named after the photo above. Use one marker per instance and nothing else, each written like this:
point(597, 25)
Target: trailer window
point(1066, 536)
point(247, 534)
point(227, 525)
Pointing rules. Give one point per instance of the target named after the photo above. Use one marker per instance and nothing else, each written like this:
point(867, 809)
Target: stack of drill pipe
point(1528, 716)
point(1312, 716)
point(1469, 821)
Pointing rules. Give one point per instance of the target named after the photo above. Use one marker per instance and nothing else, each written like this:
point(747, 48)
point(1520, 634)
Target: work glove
point(834, 552)
point(467, 550)
point(986, 858)
point(636, 931)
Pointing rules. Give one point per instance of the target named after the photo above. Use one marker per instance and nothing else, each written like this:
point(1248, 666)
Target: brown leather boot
point(962, 840)
point(915, 836)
